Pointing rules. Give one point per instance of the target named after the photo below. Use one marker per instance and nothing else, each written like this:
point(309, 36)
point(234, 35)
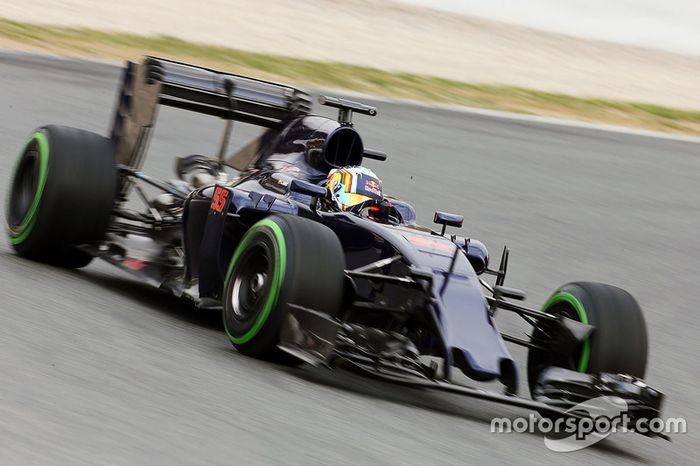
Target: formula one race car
point(300, 277)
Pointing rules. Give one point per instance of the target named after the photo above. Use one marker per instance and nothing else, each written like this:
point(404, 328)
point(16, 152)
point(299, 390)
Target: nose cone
point(471, 334)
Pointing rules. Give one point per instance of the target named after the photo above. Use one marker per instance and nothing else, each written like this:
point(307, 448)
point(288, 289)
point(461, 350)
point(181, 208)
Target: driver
point(353, 189)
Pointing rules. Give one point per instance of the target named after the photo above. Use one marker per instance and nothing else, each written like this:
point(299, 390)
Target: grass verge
point(88, 43)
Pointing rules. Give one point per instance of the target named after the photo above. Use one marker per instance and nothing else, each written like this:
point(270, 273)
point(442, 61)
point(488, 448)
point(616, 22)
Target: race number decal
point(218, 201)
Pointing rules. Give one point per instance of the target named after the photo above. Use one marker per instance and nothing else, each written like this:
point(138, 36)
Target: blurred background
point(565, 129)
point(669, 25)
point(640, 51)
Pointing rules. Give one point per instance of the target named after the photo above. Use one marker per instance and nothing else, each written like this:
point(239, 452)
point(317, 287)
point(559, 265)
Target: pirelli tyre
point(618, 344)
point(280, 260)
point(61, 195)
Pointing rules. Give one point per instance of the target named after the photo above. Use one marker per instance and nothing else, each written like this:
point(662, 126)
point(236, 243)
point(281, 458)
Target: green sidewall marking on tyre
point(20, 233)
point(574, 302)
point(277, 277)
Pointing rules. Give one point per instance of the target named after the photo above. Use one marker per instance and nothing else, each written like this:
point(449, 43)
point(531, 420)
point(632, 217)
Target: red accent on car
point(133, 264)
point(430, 244)
point(218, 201)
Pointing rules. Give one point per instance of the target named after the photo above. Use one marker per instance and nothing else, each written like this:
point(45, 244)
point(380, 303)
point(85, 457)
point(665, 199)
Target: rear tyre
point(280, 260)
point(618, 344)
point(61, 195)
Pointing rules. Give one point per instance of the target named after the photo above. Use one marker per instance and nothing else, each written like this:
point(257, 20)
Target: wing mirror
point(309, 189)
point(446, 219)
point(374, 155)
point(304, 187)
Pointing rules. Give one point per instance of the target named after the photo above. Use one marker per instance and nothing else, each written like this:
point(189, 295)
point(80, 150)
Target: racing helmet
point(352, 188)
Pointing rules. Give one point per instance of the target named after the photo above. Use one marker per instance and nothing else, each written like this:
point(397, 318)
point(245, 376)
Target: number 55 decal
point(218, 201)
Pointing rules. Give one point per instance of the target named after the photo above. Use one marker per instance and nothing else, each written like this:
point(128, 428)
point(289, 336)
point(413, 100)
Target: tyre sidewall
point(311, 270)
point(263, 324)
point(74, 197)
point(619, 341)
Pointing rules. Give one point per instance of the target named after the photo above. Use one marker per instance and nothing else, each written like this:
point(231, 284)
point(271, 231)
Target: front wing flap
point(313, 337)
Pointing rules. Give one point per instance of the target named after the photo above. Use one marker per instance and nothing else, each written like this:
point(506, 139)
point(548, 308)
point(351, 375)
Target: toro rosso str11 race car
point(301, 272)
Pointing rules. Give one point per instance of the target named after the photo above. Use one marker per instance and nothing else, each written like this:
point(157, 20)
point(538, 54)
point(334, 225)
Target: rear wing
point(157, 81)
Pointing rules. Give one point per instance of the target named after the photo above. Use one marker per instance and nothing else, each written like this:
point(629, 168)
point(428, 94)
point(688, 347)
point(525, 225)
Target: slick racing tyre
point(281, 260)
point(61, 195)
point(618, 344)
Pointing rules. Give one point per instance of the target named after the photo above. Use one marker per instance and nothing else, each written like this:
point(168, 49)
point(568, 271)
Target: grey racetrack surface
point(96, 368)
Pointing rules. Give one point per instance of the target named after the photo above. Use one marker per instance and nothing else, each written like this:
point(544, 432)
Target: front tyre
point(281, 260)
point(61, 195)
point(619, 343)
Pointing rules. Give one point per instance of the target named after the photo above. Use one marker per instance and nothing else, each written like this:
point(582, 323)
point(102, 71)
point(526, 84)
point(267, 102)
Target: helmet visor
point(351, 199)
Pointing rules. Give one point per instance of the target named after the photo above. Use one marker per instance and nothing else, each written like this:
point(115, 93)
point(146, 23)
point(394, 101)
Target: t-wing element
point(346, 108)
point(374, 155)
